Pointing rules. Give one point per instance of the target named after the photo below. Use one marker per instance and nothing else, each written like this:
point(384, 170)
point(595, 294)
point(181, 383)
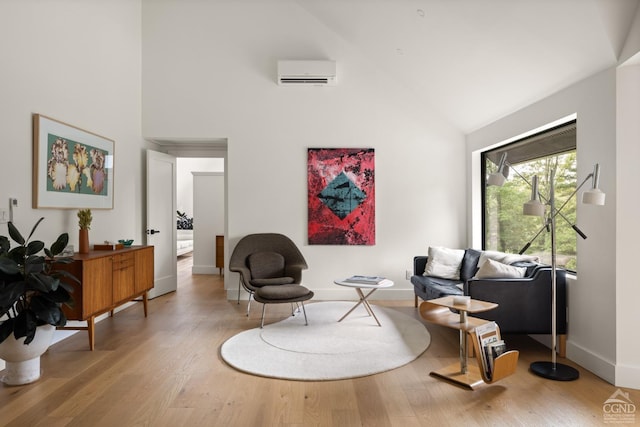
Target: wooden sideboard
point(220, 253)
point(108, 279)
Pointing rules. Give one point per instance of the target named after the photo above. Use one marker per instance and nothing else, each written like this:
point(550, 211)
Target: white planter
point(23, 361)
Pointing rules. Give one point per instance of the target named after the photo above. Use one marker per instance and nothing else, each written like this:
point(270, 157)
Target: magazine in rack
point(490, 344)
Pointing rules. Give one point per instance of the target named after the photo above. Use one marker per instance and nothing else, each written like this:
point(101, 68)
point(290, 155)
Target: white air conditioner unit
point(301, 73)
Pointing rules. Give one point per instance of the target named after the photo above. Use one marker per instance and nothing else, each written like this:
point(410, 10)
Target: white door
point(161, 220)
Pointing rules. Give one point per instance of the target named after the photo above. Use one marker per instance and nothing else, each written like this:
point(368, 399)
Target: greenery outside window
point(505, 228)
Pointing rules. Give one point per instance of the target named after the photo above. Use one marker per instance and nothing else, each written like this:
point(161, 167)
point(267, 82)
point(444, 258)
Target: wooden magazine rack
point(503, 365)
point(438, 311)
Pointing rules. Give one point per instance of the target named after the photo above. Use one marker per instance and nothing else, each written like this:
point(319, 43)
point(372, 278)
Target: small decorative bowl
point(126, 243)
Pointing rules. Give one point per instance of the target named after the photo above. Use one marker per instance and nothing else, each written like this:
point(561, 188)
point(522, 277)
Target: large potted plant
point(31, 299)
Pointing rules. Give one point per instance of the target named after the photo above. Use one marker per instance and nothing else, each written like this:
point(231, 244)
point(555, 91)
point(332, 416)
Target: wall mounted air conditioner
point(301, 73)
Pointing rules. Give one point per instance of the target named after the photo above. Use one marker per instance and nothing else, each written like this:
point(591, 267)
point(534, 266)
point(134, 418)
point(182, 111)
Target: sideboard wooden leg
point(91, 330)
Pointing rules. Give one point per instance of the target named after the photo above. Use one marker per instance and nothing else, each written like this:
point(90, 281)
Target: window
point(505, 228)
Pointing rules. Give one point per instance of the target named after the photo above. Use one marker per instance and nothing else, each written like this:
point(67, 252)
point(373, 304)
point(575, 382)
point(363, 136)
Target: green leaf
point(34, 247)
point(11, 293)
point(61, 274)
point(46, 310)
point(6, 328)
point(5, 245)
point(9, 266)
point(34, 264)
point(15, 234)
point(59, 296)
point(41, 282)
point(59, 245)
point(25, 326)
point(17, 254)
point(34, 227)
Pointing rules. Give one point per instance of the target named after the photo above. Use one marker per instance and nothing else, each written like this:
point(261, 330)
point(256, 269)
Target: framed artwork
point(341, 196)
point(72, 167)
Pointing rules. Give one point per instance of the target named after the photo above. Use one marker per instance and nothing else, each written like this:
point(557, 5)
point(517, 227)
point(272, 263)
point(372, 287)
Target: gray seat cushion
point(283, 293)
point(271, 282)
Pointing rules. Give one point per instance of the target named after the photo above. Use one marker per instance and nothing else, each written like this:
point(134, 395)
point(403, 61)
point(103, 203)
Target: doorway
point(206, 151)
point(200, 212)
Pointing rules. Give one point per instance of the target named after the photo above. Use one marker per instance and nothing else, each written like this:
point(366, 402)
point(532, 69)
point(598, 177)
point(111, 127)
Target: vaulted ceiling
point(476, 61)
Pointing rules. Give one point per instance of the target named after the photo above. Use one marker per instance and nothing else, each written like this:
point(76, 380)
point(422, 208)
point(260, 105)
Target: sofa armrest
point(419, 264)
point(524, 305)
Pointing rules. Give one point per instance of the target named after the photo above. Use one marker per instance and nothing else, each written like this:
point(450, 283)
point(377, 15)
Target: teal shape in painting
point(342, 196)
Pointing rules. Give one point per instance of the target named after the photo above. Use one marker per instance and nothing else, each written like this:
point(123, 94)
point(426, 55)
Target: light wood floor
point(165, 370)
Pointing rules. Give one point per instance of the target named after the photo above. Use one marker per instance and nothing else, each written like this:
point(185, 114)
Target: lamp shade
point(533, 208)
point(595, 196)
point(496, 179)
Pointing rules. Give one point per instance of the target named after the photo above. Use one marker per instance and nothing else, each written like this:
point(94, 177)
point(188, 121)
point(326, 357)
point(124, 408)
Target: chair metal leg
point(262, 320)
point(249, 304)
point(305, 314)
point(306, 322)
point(250, 293)
point(294, 308)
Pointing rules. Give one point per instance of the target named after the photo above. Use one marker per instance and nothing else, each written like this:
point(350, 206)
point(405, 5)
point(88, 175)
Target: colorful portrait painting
point(341, 196)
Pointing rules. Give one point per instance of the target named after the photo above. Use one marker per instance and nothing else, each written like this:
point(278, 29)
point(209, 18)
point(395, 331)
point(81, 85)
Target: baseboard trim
point(595, 363)
point(628, 376)
point(204, 269)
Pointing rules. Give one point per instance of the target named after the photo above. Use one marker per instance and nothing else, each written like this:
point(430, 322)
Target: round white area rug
point(326, 349)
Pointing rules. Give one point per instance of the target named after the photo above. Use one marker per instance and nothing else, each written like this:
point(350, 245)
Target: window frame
point(496, 151)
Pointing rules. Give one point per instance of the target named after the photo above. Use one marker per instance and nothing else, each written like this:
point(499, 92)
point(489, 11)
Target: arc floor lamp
point(594, 196)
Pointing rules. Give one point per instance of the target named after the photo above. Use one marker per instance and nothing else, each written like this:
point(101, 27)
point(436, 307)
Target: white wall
point(632, 44)
point(78, 62)
point(209, 214)
point(184, 178)
point(229, 91)
point(628, 228)
point(592, 298)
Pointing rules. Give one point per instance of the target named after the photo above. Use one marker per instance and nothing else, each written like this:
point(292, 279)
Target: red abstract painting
point(341, 196)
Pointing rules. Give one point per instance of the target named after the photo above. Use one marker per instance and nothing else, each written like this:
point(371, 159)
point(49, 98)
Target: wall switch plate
point(408, 274)
point(4, 216)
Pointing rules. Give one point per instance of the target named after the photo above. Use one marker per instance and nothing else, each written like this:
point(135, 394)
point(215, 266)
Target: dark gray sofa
point(524, 303)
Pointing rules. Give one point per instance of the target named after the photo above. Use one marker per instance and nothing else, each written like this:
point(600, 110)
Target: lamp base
point(554, 371)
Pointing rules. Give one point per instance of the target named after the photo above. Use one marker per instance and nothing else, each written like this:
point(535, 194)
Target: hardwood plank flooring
point(165, 370)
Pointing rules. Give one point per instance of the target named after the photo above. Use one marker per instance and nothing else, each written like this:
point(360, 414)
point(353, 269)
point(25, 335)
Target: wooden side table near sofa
point(438, 311)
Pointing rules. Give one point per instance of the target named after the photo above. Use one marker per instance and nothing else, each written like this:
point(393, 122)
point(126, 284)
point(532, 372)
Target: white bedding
point(184, 241)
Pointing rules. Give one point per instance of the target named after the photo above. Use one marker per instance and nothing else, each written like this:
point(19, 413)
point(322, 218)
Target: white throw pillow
point(496, 270)
point(505, 258)
point(444, 263)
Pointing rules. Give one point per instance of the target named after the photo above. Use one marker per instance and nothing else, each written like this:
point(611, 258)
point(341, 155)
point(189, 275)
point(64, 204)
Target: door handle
point(152, 231)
